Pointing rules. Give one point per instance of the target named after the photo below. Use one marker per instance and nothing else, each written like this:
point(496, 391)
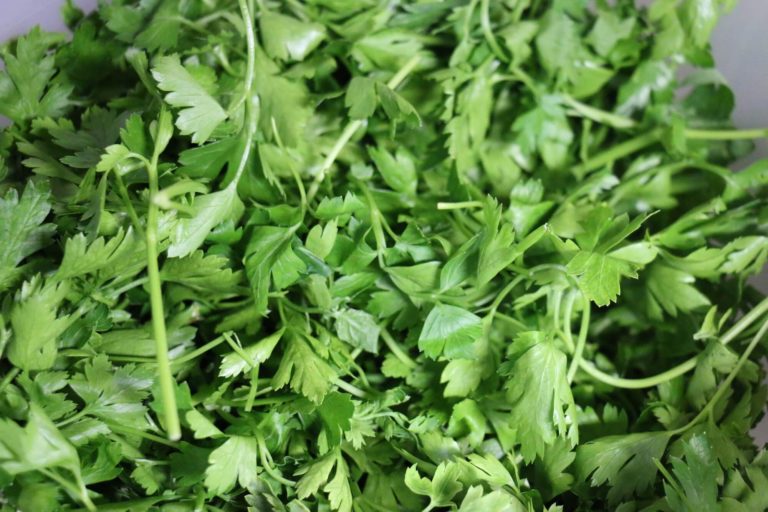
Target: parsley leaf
point(22, 228)
point(200, 113)
point(542, 404)
point(27, 89)
point(451, 331)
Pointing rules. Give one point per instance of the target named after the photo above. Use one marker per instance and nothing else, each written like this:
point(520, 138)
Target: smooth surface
point(740, 46)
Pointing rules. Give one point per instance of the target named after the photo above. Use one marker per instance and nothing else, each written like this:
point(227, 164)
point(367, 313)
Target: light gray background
point(740, 46)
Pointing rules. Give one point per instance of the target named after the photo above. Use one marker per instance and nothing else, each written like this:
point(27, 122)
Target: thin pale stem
point(618, 151)
point(165, 376)
point(647, 382)
point(567, 323)
point(726, 384)
point(130, 431)
point(349, 388)
point(8, 378)
point(756, 133)
point(78, 490)
point(461, 205)
point(122, 190)
point(198, 352)
point(394, 347)
point(250, 121)
point(254, 389)
point(582, 340)
point(485, 23)
point(681, 369)
point(352, 128)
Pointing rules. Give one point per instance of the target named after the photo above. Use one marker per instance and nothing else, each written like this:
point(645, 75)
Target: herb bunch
point(376, 256)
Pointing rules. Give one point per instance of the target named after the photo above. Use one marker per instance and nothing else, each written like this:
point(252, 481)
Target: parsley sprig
point(323, 255)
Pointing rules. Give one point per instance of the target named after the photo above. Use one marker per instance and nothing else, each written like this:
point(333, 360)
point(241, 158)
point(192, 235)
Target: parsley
point(347, 255)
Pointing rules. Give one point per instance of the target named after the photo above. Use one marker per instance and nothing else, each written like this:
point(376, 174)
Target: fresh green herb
point(377, 256)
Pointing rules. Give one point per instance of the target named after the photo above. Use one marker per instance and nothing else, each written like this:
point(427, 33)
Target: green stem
point(425, 466)
point(82, 412)
point(77, 490)
point(618, 151)
point(376, 225)
point(124, 429)
point(681, 369)
point(8, 378)
point(352, 127)
point(394, 347)
point(557, 302)
point(122, 190)
point(492, 310)
point(745, 321)
point(459, 205)
point(756, 133)
point(253, 390)
point(349, 388)
point(485, 23)
point(567, 317)
point(330, 158)
point(599, 116)
point(723, 387)
point(647, 382)
point(666, 474)
point(165, 376)
point(250, 72)
point(239, 350)
point(273, 400)
point(517, 324)
point(198, 352)
point(265, 457)
point(582, 341)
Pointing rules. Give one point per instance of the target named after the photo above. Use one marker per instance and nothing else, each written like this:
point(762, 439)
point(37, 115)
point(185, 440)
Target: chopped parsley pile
point(376, 256)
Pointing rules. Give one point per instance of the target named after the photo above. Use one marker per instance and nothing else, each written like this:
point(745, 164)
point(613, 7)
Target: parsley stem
point(745, 321)
point(567, 333)
point(250, 121)
point(725, 385)
point(122, 190)
point(492, 310)
point(330, 158)
point(268, 463)
point(272, 400)
point(683, 367)
point(514, 322)
point(199, 351)
point(425, 466)
point(165, 376)
point(253, 390)
point(646, 382)
point(618, 151)
point(485, 23)
point(557, 300)
point(8, 378)
point(666, 474)
point(756, 133)
point(349, 388)
point(398, 352)
point(239, 350)
point(79, 414)
point(641, 141)
point(459, 205)
point(582, 340)
point(130, 431)
point(78, 489)
point(598, 115)
point(352, 127)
